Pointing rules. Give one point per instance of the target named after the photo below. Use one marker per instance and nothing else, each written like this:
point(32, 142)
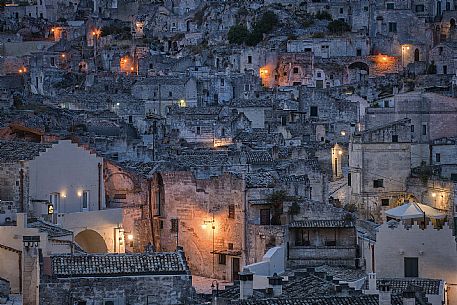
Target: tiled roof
point(259, 180)
point(429, 286)
point(294, 178)
point(101, 265)
point(51, 229)
point(258, 156)
point(342, 273)
point(13, 151)
point(315, 223)
point(345, 300)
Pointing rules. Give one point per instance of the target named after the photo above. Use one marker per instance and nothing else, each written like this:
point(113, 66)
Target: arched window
point(416, 55)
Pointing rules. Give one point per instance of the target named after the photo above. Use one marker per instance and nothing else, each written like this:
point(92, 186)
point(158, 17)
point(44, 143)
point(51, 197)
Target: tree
point(238, 34)
point(338, 27)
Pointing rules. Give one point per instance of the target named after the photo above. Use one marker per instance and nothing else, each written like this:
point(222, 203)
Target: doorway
point(235, 269)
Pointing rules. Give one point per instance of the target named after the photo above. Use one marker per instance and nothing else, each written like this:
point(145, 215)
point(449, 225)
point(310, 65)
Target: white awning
point(412, 210)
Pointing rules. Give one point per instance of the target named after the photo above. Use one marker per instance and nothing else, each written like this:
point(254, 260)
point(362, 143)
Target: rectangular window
point(438, 158)
point(341, 10)
point(444, 69)
point(249, 59)
point(385, 202)
point(313, 111)
point(424, 130)
point(295, 70)
point(222, 259)
point(85, 200)
point(420, 8)
point(390, 6)
point(199, 130)
point(265, 216)
point(349, 179)
point(231, 211)
point(174, 225)
point(411, 266)
point(170, 94)
point(54, 198)
point(378, 183)
point(392, 27)
point(394, 138)
point(454, 177)
point(108, 302)
point(412, 128)
point(53, 61)
point(230, 246)
point(222, 82)
point(359, 52)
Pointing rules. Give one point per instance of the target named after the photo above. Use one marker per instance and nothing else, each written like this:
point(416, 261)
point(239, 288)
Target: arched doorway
point(91, 241)
point(416, 55)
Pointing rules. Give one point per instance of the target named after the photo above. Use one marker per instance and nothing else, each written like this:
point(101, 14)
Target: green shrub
point(324, 15)
point(338, 27)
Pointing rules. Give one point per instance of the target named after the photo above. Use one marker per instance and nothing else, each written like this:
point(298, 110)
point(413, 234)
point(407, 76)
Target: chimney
point(30, 280)
point(372, 289)
point(385, 295)
point(246, 284)
point(409, 296)
point(275, 283)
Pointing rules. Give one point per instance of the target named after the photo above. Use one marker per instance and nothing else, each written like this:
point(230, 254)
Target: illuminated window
point(85, 200)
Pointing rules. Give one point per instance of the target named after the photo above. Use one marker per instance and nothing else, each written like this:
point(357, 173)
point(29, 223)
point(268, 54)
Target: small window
point(438, 158)
point(222, 259)
point(412, 128)
point(359, 52)
point(378, 183)
point(424, 130)
point(199, 130)
point(109, 303)
point(349, 179)
point(390, 6)
point(283, 121)
point(454, 177)
point(420, 8)
point(395, 138)
point(222, 82)
point(174, 225)
point(341, 10)
point(392, 27)
point(53, 61)
point(313, 111)
point(231, 211)
point(295, 70)
point(385, 202)
point(365, 8)
point(265, 216)
point(440, 50)
point(85, 200)
point(170, 94)
point(249, 59)
point(319, 74)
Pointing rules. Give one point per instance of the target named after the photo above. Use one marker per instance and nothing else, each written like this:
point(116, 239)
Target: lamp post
point(213, 227)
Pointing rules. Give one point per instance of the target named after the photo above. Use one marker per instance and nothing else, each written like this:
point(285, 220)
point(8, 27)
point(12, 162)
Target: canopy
point(411, 210)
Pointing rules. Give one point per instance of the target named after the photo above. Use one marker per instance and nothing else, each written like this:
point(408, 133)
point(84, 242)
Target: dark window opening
point(395, 138)
point(378, 183)
point(265, 217)
point(359, 52)
point(222, 259)
point(302, 237)
point(249, 59)
point(349, 179)
point(385, 202)
point(295, 70)
point(231, 211)
point(412, 128)
point(438, 158)
point(313, 111)
point(424, 130)
point(174, 225)
point(392, 27)
point(199, 131)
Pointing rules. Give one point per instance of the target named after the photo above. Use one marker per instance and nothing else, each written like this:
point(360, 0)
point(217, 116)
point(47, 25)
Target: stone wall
point(133, 290)
point(195, 202)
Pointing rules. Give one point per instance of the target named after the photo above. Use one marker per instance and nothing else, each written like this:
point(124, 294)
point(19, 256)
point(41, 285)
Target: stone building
point(443, 57)
point(140, 278)
point(379, 165)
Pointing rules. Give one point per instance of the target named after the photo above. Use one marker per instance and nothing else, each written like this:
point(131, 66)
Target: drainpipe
point(21, 188)
point(99, 186)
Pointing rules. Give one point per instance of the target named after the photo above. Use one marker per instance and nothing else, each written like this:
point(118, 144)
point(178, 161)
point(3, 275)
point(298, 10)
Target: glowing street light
point(130, 237)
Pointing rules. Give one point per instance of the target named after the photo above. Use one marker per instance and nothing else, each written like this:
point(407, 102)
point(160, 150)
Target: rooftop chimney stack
point(385, 295)
point(372, 288)
point(275, 283)
point(246, 284)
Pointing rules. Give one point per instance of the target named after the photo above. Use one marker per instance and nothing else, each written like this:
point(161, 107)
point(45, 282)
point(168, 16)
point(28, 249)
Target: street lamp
point(213, 227)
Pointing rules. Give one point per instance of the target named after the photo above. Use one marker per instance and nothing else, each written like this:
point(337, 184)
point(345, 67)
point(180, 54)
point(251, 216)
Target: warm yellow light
point(64, 195)
point(53, 30)
point(407, 47)
point(433, 194)
point(204, 226)
point(343, 133)
point(80, 193)
point(93, 33)
point(131, 68)
point(340, 152)
point(130, 237)
point(63, 55)
point(20, 71)
point(263, 72)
